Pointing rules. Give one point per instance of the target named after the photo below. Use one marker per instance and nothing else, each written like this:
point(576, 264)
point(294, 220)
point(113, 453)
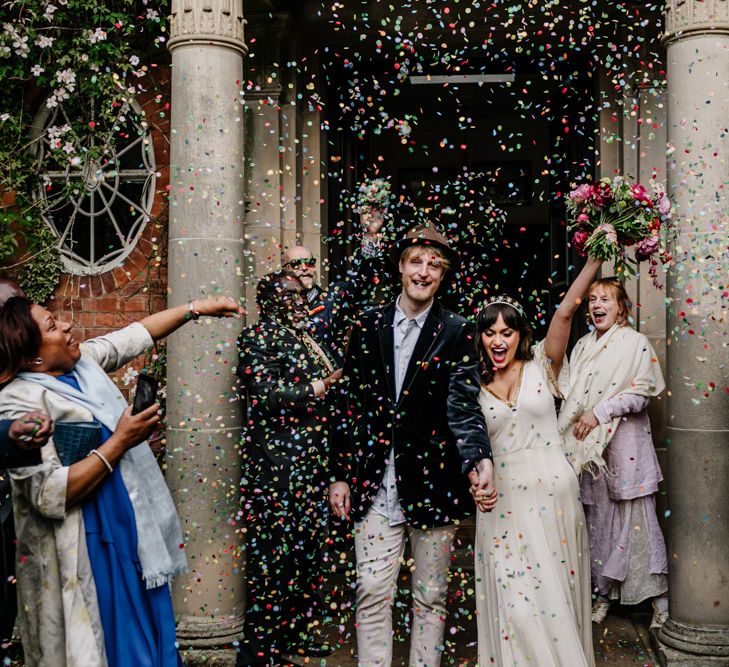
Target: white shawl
point(620, 360)
point(159, 538)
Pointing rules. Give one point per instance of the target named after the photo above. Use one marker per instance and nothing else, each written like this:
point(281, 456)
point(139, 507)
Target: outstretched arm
point(163, 323)
point(558, 335)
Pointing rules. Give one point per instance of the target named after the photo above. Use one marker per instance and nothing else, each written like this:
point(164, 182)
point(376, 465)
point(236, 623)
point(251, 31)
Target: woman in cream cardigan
point(97, 541)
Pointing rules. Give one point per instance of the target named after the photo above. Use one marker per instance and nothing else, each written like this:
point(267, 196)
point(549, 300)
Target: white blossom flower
point(68, 78)
point(55, 132)
point(98, 35)
point(69, 148)
point(134, 60)
point(50, 11)
point(36, 70)
point(59, 94)
point(44, 42)
point(4, 117)
point(20, 44)
point(152, 14)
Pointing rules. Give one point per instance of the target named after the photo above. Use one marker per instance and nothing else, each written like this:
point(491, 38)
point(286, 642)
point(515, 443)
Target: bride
point(532, 561)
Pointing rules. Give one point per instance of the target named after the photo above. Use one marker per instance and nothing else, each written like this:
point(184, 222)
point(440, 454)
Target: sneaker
point(600, 611)
point(659, 618)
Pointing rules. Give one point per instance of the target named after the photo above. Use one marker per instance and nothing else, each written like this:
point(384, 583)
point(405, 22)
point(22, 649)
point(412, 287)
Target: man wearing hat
point(410, 435)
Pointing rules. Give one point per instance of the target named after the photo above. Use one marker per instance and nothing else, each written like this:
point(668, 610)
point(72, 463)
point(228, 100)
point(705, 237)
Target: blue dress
point(138, 622)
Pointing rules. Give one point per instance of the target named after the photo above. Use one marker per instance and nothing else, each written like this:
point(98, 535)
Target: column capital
point(687, 18)
point(216, 22)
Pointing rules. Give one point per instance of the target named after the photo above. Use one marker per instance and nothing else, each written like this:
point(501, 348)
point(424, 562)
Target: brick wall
point(137, 287)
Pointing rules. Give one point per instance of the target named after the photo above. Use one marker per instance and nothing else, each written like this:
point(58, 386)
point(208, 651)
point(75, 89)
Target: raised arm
point(558, 335)
point(163, 323)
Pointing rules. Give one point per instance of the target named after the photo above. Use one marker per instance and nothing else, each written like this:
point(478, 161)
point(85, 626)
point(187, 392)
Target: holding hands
point(482, 485)
point(339, 500)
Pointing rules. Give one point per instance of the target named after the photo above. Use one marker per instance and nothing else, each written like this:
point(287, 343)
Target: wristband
point(192, 314)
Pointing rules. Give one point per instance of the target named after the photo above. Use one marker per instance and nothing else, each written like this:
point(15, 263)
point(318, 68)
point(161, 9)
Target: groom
point(410, 430)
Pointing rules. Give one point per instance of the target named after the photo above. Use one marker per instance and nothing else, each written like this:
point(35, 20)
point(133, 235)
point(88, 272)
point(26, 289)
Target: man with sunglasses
point(286, 375)
point(331, 310)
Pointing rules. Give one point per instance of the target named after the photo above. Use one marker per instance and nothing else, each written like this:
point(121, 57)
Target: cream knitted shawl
point(621, 360)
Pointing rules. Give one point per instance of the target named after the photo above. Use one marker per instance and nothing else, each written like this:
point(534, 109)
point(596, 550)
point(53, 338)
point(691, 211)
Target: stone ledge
point(208, 657)
point(670, 657)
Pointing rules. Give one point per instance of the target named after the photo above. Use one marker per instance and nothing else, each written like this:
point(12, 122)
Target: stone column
point(205, 252)
point(264, 150)
point(697, 41)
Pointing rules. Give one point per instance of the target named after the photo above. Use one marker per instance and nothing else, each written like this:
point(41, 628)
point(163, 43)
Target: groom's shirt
point(406, 333)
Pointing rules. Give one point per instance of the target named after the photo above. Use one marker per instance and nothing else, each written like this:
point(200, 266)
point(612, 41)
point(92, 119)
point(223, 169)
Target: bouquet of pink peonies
point(611, 216)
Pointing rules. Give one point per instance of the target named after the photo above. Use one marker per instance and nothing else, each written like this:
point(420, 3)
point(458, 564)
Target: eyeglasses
point(297, 263)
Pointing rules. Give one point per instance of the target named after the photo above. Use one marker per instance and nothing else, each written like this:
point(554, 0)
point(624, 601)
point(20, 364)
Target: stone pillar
point(312, 181)
point(697, 42)
point(264, 150)
point(205, 252)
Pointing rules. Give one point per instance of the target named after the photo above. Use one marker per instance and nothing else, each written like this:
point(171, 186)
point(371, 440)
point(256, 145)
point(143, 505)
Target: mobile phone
point(146, 394)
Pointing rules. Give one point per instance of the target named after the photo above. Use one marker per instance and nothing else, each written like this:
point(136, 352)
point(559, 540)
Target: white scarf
point(159, 536)
point(621, 360)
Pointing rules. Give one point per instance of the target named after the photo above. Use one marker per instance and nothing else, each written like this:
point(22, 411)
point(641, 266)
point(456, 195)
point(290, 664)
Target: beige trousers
point(379, 548)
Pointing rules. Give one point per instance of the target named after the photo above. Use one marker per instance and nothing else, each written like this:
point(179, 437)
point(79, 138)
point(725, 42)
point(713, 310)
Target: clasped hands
point(482, 485)
point(482, 490)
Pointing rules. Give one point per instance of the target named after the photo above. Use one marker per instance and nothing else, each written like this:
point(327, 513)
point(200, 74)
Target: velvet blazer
point(436, 426)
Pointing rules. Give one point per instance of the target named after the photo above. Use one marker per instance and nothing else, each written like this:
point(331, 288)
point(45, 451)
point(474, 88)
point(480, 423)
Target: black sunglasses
point(296, 263)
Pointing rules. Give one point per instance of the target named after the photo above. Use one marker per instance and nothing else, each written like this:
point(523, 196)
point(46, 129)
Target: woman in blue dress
point(98, 541)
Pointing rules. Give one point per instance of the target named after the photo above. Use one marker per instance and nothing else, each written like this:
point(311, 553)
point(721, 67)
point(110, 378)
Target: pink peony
point(664, 205)
point(581, 192)
point(578, 241)
point(639, 192)
point(583, 217)
point(602, 194)
point(647, 247)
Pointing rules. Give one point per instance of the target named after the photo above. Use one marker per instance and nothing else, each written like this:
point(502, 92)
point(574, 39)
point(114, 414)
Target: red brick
point(121, 277)
point(96, 286)
point(135, 304)
point(107, 304)
point(108, 280)
point(84, 319)
point(113, 320)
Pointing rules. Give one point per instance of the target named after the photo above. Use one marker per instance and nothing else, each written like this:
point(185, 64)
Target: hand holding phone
point(146, 394)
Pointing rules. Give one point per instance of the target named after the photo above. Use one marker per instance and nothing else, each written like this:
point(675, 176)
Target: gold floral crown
point(506, 301)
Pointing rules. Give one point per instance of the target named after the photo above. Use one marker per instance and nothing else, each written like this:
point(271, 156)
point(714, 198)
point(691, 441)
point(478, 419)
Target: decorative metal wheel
point(98, 202)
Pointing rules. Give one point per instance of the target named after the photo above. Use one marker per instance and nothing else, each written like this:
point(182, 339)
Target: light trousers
point(379, 548)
